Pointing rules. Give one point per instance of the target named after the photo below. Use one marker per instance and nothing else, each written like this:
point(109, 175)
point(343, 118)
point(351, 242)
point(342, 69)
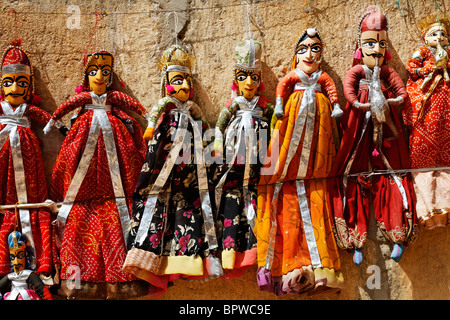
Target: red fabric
point(387, 200)
point(36, 192)
point(374, 21)
point(93, 237)
point(430, 135)
point(16, 56)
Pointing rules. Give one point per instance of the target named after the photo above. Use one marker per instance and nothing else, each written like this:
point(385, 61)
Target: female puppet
point(246, 119)
point(22, 283)
point(95, 175)
point(172, 230)
point(372, 140)
point(297, 252)
point(428, 118)
point(21, 166)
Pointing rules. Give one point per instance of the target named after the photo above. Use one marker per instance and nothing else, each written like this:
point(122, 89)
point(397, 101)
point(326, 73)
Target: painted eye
point(7, 83)
point(241, 77)
point(369, 45)
point(106, 73)
point(92, 73)
point(255, 77)
point(178, 82)
point(302, 50)
point(23, 84)
point(316, 49)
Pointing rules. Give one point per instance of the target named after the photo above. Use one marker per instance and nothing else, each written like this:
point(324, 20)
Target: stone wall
point(137, 31)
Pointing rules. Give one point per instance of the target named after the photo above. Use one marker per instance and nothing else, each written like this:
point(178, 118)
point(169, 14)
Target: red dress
point(429, 139)
point(93, 235)
point(350, 201)
point(36, 188)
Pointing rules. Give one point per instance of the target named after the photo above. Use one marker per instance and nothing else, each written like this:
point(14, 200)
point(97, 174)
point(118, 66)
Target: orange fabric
point(291, 250)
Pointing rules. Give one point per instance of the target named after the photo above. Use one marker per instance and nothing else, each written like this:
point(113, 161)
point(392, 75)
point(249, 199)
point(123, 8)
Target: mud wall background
point(137, 31)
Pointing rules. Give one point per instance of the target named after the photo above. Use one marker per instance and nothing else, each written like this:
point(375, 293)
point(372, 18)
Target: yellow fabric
point(291, 250)
point(187, 265)
point(228, 259)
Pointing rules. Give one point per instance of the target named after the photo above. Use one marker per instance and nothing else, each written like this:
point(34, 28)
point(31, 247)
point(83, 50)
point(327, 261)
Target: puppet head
point(17, 243)
point(372, 39)
point(308, 51)
point(435, 28)
point(247, 69)
point(98, 74)
point(17, 76)
point(175, 65)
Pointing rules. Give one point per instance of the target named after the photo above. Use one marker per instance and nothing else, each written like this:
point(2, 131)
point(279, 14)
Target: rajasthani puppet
point(22, 283)
point(172, 232)
point(372, 140)
point(21, 166)
point(95, 174)
point(244, 121)
point(428, 119)
point(297, 251)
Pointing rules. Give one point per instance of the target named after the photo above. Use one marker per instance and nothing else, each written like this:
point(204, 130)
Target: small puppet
point(21, 164)
point(246, 120)
point(372, 140)
point(95, 175)
point(428, 120)
point(22, 283)
point(172, 233)
point(297, 251)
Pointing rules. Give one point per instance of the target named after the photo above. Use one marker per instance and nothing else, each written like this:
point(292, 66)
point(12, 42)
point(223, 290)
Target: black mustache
point(379, 55)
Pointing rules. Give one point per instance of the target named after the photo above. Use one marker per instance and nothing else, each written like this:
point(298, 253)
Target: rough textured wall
point(211, 28)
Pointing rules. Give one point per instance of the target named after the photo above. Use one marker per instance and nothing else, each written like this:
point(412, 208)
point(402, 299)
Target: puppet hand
point(337, 111)
point(148, 134)
point(49, 126)
point(279, 112)
point(362, 106)
point(395, 102)
point(63, 130)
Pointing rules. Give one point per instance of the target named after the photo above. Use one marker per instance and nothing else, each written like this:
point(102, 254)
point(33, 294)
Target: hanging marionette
point(172, 231)
point(22, 283)
point(246, 119)
point(372, 140)
point(23, 182)
point(428, 119)
point(94, 176)
point(297, 252)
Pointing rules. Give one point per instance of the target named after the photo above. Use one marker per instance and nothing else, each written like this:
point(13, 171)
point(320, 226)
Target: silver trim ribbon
point(16, 68)
point(100, 122)
point(370, 78)
point(12, 119)
point(242, 124)
point(304, 123)
point(185, 118)
point(19, 285)
point(175, 67)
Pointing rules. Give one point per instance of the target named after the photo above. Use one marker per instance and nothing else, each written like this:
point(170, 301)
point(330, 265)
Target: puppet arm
point(285, 83)
point(74, 102)
point(155, 112)
point(43, 117)
point(332, 94)
point(222, 122)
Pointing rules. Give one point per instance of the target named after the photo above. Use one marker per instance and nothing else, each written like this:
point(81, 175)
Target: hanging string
point(248, 30)
point(175, 23)
point(16, 217)
point(12, 11)
point(98, 16)
point(305, 15)
point(438, 8)
point(397, 5)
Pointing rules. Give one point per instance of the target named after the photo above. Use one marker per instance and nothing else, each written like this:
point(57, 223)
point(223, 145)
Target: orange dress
point(296, 248)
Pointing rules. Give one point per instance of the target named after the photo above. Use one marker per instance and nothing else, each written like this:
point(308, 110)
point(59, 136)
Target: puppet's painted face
point(435, 34)
point(99, 73)
point(179, 84)
point(373, 45)
point(248, 83)
point(309, 55)
point(16, 87)
point(17, 257)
